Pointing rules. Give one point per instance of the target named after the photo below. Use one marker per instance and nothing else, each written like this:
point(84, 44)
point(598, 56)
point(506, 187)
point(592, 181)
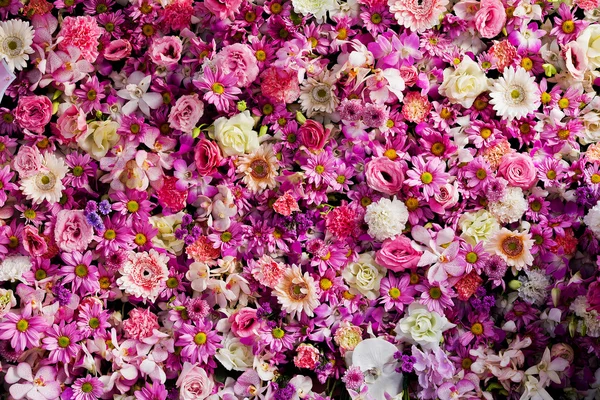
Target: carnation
point(511, 207)
point(140, 324)
point(12, 268)
point(83, 33)
point(316, 8)
point(592, 220)
point(534, 287)
point(386, 218)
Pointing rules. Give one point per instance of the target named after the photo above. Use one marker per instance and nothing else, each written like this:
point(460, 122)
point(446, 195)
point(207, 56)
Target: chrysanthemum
point(47, 183)
point(318, 94)
point(515, 94)
point(144, 274)
point(88, 388)
point(12, 268)
point(92, 320)
point(23, 330)
point(16, 38)
point(386, 218)
point(417, 15)
point(61, 341)
point(297, 293)
point(199, 342)
point(428, 176)
point(259, 169)
point(80, 272)
point(513, 247)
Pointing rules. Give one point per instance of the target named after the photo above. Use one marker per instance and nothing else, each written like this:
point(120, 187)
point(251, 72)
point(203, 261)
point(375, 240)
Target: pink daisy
point(428, 176)
point(417, 15)
point(22, 330)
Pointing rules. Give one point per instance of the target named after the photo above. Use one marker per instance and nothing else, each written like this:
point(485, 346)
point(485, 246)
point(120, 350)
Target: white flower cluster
point(13, 268)
point(386, 218)
point(592, 220)
point(590, 321)
point(511, 207)
point(534, 287)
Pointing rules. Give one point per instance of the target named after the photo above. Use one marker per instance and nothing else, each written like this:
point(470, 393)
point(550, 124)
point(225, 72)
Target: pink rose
point(166, 51)
point(70, 124)
point(490, 18)
point(72, 232)
point(239, 60)
point(384, 175)
point(193, 383)
point(33, 113)
point(410, 74)
point(575, 60)
point(397, 254)
point(518, 170)
point(186, 113)
point(117, 50)
point(223, 8)
point(244, 323)
point(207, 156)
point(313, 135)
point(446, 198)
point(28, 161)
point(33, 243)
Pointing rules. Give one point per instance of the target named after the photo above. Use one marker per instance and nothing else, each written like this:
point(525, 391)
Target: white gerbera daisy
point(386, 218)
point(259, 169)
point(16, 38)
point(318, 94)
point(514, 95)
point(297, 293)
point(47, 183)
point(513, 247)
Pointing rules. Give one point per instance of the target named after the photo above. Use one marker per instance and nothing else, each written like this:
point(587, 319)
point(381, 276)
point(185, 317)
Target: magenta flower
point(88, 388)
point(199, 343)
point(61, 341)
point(80, 272)
point(396, 292)
point(23, 330)
point(219, 88)
point(428, 176)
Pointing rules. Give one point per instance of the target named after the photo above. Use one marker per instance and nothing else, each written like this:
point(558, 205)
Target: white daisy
point(16, 38)
point(514, 95)
point(47, 183)
point(318, 94)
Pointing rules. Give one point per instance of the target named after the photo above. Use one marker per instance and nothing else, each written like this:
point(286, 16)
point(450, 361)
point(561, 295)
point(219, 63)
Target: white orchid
point(136, 91)
point(375, 358)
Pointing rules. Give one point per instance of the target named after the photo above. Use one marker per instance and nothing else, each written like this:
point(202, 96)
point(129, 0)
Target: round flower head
point(417, 15)
point(512, 247)
point(47, 183)
point(318, 94)
point(386, 218)
point(297, 293)
point(88, 388)
point(511, 207)
point(259, 169)
point(144, 274)
point(16, 38)
point(515, 94)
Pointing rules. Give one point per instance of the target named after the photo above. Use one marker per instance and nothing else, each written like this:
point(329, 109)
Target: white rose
point(463, 84)
point(99, 138)
point(589, 40)
point(235, 135)
point(478, 226)
point(364, 276)
point(234, 355)
point(317, 8)
point(423, 327)
point(591, 123)
point(166, 226)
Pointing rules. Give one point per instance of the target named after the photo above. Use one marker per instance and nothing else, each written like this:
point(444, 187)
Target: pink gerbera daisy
point(417, 15)
point(23, 330)
point(428, 176)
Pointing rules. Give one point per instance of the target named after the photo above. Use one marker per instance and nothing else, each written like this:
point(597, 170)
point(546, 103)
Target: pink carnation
point(140, 324)
point(72, 232)
point(286, 204)
point(279, 86)
point(342, 221)
point(186, 113)
point(307, 356)
point(238, 59)
point(223, 8)
point(83, 33)
point(268, 271)
point(417, 15)
point(178, 15)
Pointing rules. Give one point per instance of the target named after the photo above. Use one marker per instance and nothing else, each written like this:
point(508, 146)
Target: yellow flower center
point(22, 325)
point(63, 341)
point(568, 27)
point(325, 284)
point(110, 234)
point(477, 328)
point(394, 293)
point(200, 338)
point(217, 88)
point(278, 333)
point(426, 178)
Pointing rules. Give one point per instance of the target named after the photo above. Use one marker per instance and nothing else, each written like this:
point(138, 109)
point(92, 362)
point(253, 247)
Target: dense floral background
point(306, 199)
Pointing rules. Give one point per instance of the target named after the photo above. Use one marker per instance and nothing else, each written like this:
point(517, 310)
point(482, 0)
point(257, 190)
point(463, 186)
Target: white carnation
point(386, 218)
point(534, 288)
point(13, 268)
point(511, 207)
point(317, 8)
point(592, 220)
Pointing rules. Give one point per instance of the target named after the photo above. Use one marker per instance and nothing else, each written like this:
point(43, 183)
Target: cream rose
point(235, 135)
point(99, 138)
point(478, 226)
point(364, 276)
point(589, 41)
point(591, 123)
point(234, 355)
point(463, 84)
point(423, 327)
point(167, 225)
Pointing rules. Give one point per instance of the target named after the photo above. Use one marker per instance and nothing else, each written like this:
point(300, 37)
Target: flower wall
point(305, 199)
